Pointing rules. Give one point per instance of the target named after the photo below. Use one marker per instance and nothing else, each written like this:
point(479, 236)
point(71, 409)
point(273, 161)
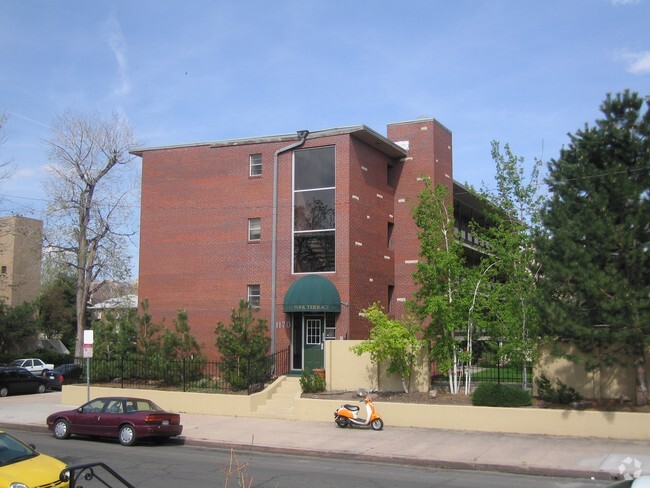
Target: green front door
point(313, 348)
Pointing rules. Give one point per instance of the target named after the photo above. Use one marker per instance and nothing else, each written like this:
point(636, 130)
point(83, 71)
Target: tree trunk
point(641, 377)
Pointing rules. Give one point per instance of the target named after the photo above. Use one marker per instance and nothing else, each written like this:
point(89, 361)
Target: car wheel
point(4, 391)
point(127, 435)
point(61, 429)
point(41, 388)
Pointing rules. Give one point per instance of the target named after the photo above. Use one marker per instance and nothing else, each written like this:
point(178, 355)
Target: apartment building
point(310, 227)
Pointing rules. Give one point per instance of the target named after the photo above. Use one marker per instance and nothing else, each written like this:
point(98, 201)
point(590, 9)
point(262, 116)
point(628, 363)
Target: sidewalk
point(539, 455)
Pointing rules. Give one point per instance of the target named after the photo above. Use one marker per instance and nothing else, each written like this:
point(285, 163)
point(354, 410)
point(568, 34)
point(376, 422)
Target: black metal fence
point(491, 369)
point(189, 374)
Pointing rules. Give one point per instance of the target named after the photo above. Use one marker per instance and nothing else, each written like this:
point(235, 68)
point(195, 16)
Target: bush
point(498, 395)
point(563, 394)
point(312, 383)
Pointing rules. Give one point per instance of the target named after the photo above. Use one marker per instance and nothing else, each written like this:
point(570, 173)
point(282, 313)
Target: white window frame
point(254, 295)
point(255, 165)
point(252, 228)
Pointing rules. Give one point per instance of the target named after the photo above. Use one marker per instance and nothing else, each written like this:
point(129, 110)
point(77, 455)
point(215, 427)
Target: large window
point(314, 215)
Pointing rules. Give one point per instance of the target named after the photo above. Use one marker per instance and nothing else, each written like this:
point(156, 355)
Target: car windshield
point(12, 450)
point(17, 362)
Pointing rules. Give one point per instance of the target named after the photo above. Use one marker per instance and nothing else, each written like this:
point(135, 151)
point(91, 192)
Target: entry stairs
point(280, 403)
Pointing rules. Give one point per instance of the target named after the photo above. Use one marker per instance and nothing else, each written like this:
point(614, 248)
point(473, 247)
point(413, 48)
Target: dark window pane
point(314, 210)
point(315, 168)
point(313, 252)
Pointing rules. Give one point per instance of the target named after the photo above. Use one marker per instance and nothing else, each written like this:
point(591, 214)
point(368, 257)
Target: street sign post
point(88, 353)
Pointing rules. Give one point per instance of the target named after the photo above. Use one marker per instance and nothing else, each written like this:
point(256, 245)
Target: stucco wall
point(344, 370)
point(617, 381)
point(615, 425)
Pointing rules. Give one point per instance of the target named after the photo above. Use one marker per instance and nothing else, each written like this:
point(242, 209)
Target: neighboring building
point(21, 244)
point(117, 304)
point(311, 230)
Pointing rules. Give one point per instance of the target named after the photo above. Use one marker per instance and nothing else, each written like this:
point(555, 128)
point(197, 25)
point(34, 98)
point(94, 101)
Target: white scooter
point(348, 415)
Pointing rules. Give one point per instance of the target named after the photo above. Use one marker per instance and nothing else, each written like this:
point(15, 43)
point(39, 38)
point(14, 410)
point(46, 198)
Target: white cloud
point(117, 44)
point(638, 62)
point(625, 2)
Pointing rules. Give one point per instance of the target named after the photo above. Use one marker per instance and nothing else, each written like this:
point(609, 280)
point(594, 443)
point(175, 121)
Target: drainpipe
point(302, 135)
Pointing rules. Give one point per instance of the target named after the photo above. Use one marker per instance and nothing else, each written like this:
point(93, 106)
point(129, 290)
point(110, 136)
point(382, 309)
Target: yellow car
point(23, 467)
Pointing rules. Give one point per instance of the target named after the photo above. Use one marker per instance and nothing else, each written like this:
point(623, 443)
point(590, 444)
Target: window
point(313, 331)
point(4, 270)
point(254, 295)
point(389, 244)
point(255, 165)
point(254, 229)
point(314, 214)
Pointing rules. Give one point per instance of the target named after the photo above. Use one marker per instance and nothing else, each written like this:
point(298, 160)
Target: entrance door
point(314, 353)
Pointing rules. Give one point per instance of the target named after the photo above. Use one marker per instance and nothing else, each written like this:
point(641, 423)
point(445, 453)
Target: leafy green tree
point(17, 325)
point(507, 287)
point(594, 245)
point(57, 308)
point(443, 299)
point(395, 341)
point(243, 345)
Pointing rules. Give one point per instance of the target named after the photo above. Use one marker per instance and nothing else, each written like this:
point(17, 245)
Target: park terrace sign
point(312, 293)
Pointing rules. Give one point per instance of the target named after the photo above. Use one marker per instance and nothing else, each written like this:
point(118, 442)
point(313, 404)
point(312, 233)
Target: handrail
point(89, 473)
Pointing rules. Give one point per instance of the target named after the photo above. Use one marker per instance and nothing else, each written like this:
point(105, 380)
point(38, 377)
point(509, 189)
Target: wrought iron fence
point(188, 374)
point(490, 368)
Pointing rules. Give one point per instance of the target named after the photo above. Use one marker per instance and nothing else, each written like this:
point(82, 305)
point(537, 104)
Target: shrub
point(563, 394)
point(498, 395)
point(312, 383)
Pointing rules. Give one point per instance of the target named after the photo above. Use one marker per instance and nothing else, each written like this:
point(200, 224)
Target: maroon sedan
point(128, 419)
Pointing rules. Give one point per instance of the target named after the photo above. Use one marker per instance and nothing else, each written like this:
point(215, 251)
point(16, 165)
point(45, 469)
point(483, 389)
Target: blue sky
point(520, 72)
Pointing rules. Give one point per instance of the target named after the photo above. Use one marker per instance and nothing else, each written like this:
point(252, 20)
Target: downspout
point(302, 135)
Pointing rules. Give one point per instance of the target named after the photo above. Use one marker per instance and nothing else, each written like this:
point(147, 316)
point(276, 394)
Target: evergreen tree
point(57, 308)
point(243, 346)
point(595, 244)
point(179, 343)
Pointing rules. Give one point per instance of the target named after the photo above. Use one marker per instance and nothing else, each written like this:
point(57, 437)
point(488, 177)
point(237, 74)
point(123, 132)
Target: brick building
point(311, 227)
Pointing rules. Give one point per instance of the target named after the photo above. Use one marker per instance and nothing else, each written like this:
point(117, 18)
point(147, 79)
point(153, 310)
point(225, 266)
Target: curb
point(403, 461)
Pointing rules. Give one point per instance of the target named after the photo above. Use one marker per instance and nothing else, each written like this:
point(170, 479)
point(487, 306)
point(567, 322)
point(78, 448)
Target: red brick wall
point(370, 209)
point(196, 202)
point(429, 154)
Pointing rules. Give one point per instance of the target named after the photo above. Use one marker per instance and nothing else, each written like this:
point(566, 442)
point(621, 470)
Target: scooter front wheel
point(341, 421)
point(377, 424)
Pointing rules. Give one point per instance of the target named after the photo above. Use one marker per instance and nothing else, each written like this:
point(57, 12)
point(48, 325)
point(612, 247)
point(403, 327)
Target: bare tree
point(6, 167)
point(91, 198)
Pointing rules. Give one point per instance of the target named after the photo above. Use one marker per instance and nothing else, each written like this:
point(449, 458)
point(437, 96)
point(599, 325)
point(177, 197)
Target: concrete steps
point(280, 403)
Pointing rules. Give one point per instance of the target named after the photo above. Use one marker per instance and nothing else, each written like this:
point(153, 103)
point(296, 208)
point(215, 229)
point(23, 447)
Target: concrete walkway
point(532, 454)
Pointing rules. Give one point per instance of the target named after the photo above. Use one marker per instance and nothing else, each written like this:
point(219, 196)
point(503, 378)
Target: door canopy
point(312, 293)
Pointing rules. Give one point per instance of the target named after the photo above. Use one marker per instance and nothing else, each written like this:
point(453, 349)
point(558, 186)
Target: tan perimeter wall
point(617, 381)
point(346, 371)
point(614, 425)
